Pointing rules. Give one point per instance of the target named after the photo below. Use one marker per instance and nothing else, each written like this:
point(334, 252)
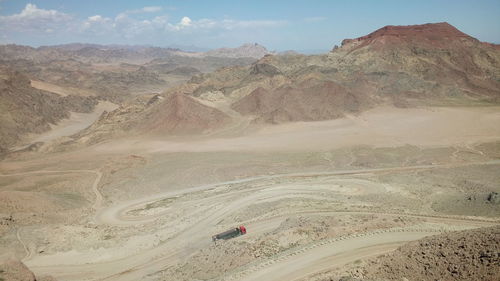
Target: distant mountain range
point(402, 66)
point(87, 73)
point(113, 53)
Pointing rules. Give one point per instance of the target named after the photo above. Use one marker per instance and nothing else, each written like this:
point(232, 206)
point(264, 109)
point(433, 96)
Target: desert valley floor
point(317, 200)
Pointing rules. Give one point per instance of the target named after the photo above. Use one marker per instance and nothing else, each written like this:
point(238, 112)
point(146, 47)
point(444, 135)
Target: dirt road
point(329, 254)
point(197, 216)
point(95, 185)
point(117, 215)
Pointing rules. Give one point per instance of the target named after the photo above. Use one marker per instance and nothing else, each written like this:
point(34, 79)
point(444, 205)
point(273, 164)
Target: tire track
point(284, 257)
point(95, 185)
point(95, 188)
point(116, 214)
point(136, 266)
point(26, 248)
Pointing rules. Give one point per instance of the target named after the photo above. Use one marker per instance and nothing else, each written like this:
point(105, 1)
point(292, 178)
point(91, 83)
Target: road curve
point(326, 255)
point(189, 239)
point(116, 215)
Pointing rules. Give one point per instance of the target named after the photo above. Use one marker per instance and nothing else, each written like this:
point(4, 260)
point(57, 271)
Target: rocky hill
point(177, 114)
point(301, 102)
point(403, 66)
point(430, 64)
point(112, 73)
point(93, 53)
point(201, 64)
point(24, 109)
point(444, 61)
point(90, 53)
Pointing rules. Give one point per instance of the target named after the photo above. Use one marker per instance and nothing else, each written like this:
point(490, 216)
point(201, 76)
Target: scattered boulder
point(493, 198)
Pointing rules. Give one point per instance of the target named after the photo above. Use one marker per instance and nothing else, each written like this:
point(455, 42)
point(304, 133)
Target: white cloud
point(151, 9)
point(94, 25)
point(185, 21)
point(31, 11)
point(206, 23)
point(147, 9)
point(144, 23)
point(31, 18)
point(96, 18)
point(188, 24)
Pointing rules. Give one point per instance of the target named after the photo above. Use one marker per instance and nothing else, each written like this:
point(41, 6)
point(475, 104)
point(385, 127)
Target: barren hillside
point(24, 109)
point(176, 114)
point(402, 66)
point(115, 73)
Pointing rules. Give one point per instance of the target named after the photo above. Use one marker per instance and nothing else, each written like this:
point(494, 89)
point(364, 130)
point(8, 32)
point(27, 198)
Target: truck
point(231, 233)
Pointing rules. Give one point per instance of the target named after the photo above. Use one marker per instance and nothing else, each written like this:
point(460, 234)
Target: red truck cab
point(243, 230)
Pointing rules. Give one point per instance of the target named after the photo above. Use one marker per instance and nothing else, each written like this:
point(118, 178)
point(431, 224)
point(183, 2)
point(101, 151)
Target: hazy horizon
point(186, 48)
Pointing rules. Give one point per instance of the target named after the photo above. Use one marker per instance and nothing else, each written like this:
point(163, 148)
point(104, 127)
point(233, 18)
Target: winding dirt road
point(204, 207)
point(117, 215)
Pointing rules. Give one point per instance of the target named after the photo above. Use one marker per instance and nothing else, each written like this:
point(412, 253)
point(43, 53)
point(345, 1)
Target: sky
point(303, 25)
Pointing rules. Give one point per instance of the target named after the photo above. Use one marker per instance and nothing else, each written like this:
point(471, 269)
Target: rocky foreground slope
point(465, 255)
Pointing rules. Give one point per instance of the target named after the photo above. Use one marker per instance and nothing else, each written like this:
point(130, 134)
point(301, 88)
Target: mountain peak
point(433, 33)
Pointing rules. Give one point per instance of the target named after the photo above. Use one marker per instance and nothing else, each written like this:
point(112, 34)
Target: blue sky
point(278, 25)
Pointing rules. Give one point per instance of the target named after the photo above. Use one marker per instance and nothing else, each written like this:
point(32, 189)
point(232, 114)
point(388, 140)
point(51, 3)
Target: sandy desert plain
point(314, 198)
